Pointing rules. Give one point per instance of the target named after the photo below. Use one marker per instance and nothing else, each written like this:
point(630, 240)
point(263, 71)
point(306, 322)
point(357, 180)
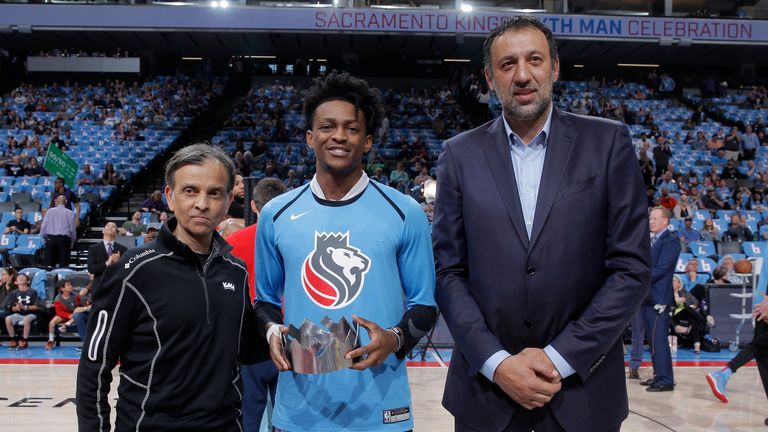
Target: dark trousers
point(259, 380)
point(539, 419)
point(657, 330)
point(57, 250)
point(760, 347)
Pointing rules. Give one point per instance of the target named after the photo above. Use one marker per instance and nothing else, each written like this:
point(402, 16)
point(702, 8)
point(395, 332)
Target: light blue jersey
point(362, 256)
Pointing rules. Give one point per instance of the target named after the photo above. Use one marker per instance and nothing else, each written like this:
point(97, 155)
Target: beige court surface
point(36, 398)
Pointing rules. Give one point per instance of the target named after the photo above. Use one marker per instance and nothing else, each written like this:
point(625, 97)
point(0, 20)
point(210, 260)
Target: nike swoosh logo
point(296, 216)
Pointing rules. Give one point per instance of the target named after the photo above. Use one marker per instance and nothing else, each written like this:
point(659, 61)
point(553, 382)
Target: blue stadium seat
point(703, 249)
point(701, 215)
point(754, 249)
point(706, 265)
point(8, 241)
point(682, 260)
point(28, 244)
point(721, 224)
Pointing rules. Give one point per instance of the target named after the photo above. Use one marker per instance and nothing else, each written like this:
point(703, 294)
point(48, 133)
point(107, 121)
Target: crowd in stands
point(112, 130)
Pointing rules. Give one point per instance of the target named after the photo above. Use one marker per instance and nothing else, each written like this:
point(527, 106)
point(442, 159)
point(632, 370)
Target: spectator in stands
point(737, 230)
point(154, 204)
point(162, 218)
point(133, 227)
point(667, 201)
point(236, 208)
point(380, 177)
point(304, 162)
point(59, 230)
point(715, 143)
point(688, 234)
point(757, 203)
point(398, 175)
point(21, 304)
point(7, 286)
point(720, 276)
point(694, 198)
point(293, 180)
point(728, 263)
point(422, 177)
point(711, 201)
point(14, 168)
point(110, 176)
point(709, 232)
point(246, 166)
point(749, 144)
point(33, 169)
point(665, 181)
point(104, 253)
point(87, 177)
point(646, 166)
point(19, 225)
point(732, 144)
point(691, 277)
point(687, 322)
point(65, 303)
point(667, 86)
point(699, 115)
point(730, 172)
point(71, 201)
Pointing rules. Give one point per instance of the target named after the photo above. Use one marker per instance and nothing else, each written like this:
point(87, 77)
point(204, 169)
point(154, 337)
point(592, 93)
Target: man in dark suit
point(104, 253)
point(542, 252)
point(665, 249)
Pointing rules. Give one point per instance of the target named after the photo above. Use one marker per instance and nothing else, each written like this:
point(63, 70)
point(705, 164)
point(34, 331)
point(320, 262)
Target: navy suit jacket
point(664, 254)
point(575, 284)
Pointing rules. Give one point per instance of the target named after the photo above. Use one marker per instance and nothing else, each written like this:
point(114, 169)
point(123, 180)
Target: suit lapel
point(496, 151)
point(559, 145)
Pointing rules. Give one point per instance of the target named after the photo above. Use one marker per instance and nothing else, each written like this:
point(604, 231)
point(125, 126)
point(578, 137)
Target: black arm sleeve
point(266, 313)
point(417, 322)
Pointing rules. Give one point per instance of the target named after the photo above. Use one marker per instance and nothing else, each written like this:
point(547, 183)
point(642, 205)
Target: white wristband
point(274, 329)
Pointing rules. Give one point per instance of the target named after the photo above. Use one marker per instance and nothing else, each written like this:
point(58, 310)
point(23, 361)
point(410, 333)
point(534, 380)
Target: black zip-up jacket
point(177, 326)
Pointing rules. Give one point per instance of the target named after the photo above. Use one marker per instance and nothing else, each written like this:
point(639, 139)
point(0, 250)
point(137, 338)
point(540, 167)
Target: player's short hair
point(515, 23)
point(198, 154)
point(344, 87)
point(266, 189)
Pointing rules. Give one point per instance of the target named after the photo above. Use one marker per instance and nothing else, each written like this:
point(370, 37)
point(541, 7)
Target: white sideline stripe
point(101, 326)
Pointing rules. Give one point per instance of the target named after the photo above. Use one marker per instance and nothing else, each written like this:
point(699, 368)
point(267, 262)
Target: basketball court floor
point(37, 390)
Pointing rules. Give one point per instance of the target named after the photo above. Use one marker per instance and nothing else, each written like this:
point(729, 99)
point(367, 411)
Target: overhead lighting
point(321, 60)
point(578, 66)
point(260, 57)
point(466, 7)
point(640, 65)
point(456, 60)
point(223, 4)
point(214, 4)
point(192, 58)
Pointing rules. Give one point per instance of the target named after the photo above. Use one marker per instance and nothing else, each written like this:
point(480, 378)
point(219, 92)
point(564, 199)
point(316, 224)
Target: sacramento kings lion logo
point(334, 272)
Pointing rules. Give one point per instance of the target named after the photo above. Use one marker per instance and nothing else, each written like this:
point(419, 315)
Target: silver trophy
point(316, 349)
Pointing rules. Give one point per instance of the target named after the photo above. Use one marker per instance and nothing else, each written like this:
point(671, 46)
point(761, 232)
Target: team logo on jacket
point(333, 274)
